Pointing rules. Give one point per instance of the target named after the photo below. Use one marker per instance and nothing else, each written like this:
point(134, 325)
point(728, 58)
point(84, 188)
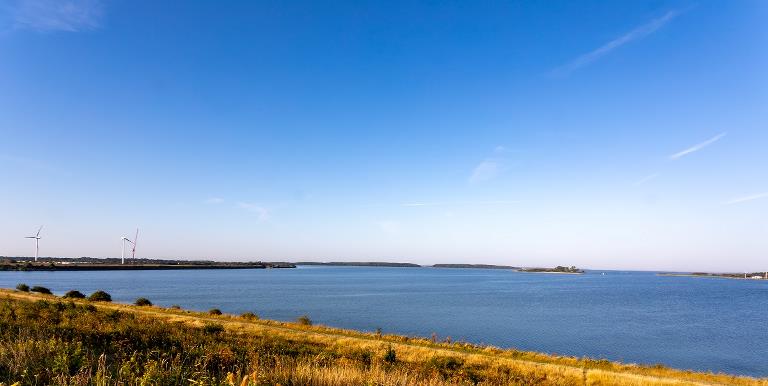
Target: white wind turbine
point(37, 241)
point(122, 250)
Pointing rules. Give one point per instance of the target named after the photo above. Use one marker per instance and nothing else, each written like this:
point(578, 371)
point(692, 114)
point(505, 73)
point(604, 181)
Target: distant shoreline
point(556, 270)
point(752, 276)
point(359, 264)
point(475, 266)
point(115, 264)
point(91, 266)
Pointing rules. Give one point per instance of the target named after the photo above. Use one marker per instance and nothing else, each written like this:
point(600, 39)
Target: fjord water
point(705, 324)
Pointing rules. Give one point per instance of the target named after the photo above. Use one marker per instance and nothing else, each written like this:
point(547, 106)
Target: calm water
point(693, 323)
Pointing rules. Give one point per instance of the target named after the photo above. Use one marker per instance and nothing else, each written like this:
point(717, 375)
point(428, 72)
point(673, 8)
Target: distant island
point(479, 266)
point(751, 276)
point(558, 269)
point(114, 264)
point(359, 264)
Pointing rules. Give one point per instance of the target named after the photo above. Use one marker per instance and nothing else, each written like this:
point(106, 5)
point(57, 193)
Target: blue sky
point(598, 134)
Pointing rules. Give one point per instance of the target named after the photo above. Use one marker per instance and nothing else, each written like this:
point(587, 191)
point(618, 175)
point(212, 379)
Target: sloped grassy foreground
point(48, 340)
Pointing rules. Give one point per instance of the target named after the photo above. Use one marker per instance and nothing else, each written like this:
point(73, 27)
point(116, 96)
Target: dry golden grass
point(497, 366)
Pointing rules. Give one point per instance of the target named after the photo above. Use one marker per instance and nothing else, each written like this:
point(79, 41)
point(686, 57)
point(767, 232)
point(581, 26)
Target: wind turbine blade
point(135, 240)
point(38, 231)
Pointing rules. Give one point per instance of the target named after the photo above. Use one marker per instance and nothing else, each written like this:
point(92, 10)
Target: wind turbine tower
point(122, 250)
point(37, 241)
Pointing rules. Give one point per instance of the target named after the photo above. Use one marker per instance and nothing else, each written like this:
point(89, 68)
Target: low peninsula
point(114, 264)
point(747, 275)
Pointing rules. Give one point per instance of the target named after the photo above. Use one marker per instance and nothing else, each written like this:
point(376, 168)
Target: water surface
point(707, 324)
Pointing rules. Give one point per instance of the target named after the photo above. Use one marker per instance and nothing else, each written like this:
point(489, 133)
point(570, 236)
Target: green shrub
point(22, 287)
point(213, 328)
point(304, 320)
point(142, 302)
point(100, 296)
point(249, 316)
point(214, 311)
point(390, 356)
point(41, 290)
point(362, 356)
point(114, 315)
point(445, 366)
point(74, 294)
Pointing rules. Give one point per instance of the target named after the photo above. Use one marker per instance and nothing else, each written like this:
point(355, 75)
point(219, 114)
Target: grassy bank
point(48, 340)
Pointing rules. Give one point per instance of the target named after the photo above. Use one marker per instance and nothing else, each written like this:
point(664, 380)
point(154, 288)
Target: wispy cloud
point(646, 179)
point(459, 203)
point(422, 204)
point(696, 147)
point(261, 212)
point(637, 33)
point(57, 15)
point(500, 149)
point(681, 154)
point(486, 170)
point(490, 167)
point(751, 197)
point(214, 200)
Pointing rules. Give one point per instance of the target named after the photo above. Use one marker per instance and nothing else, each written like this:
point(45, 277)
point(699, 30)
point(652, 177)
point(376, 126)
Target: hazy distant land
point(743, 276)
point(479, 266)
point(359, 264)
point(102, 264)
point(114, 264)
